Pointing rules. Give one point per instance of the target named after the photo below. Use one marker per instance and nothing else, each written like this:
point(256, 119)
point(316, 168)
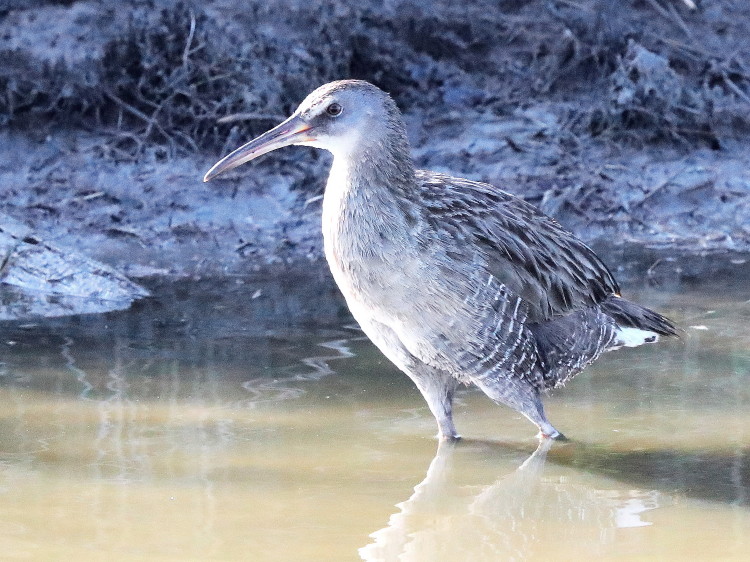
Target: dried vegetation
point(182, 79)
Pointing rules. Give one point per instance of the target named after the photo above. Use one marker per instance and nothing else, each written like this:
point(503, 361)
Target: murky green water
point(236, 428)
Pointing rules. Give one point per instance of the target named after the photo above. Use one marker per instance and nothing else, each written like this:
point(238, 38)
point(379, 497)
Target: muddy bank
point(611, 119)
point(155, 219)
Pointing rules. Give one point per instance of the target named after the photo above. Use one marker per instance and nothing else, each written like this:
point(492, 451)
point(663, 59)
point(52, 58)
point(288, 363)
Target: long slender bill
point(292, 131)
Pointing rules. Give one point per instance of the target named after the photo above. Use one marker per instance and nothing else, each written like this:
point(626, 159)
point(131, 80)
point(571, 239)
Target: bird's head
point(341, 117)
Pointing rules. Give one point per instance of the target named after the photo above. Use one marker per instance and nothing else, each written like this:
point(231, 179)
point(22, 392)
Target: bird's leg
point(438, 388)
point(523, 398)
point(547, 431)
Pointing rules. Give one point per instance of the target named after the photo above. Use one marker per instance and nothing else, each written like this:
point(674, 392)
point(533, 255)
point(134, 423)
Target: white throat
point(336, 190)
point(343, 147)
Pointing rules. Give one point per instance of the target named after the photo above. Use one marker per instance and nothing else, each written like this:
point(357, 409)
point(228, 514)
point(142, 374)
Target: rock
point(40, 279)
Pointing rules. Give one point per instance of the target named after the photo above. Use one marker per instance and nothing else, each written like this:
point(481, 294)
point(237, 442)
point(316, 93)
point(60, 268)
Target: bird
point(455, 281)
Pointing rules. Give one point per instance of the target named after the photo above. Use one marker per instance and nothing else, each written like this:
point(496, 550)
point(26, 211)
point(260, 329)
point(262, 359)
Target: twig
point(734, 87)
point(577, 6)
point(138, 113)
point(186, 138)
point(312, 200)
point(680, 22)
point(191, 34)
point(122, 136)
point(661, 186)
point(6, 258)
point(690, 50)
point(240, 247)
point(91, 196)
point(659, 8)
point(670, 14)
point(651, 270)
point(152, 121)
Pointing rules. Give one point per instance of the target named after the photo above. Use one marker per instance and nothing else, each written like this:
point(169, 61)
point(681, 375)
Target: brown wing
point(531, 254)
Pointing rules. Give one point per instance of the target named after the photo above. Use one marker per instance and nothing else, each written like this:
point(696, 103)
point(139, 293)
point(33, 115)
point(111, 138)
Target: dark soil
point(627, 121)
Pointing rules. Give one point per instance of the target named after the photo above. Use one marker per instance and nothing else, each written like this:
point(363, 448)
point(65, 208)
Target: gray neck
point(384, 162)
point(369, 194)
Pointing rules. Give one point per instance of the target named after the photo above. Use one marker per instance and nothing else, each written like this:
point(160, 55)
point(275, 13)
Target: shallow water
point(218, 424)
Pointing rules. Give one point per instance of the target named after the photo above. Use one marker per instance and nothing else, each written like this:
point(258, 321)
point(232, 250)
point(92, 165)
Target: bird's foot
point(450, 438)
point(556, 435)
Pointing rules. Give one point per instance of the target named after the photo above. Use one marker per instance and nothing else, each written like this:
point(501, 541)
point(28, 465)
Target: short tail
point(630, 315)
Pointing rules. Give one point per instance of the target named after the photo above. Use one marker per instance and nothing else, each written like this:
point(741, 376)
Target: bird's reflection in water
point(511, 518)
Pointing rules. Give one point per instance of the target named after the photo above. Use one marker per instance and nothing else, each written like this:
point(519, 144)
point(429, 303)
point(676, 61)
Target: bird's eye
point(334, 109)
